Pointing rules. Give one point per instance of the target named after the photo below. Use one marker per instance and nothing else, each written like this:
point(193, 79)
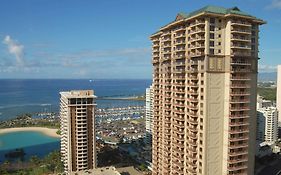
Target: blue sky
point(108, 38)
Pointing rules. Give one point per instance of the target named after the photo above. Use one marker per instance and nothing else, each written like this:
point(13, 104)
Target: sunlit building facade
point(78, 138)
point(205, 89)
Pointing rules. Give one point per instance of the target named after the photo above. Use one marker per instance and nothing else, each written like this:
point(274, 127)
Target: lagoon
point(33, 143)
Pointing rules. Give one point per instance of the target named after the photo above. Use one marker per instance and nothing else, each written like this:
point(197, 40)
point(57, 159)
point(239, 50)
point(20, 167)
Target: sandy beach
point(46, 131)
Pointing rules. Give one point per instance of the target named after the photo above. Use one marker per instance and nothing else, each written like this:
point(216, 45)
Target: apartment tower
point(267, 124)
point(205, 81)
point(77, 113)
point(149, 114)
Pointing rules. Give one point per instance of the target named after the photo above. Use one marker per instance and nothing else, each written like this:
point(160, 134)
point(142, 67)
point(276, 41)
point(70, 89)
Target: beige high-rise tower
point(205, 81)
point(78, 138)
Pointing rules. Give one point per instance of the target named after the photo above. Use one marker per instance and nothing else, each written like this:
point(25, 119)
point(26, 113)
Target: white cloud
point(275, 4)
point(15, 49)
point(267, 68)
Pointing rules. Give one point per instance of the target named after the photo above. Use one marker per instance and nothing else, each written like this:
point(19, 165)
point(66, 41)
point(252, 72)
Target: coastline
point(46, 131)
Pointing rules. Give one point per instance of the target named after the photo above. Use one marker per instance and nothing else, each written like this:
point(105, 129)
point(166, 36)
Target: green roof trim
point(216, 10)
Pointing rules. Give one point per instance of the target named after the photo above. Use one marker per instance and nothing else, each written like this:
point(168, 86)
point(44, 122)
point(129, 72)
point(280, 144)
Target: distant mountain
point(267, 76)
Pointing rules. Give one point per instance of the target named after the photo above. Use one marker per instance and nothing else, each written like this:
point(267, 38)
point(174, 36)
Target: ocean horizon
point(19, 96)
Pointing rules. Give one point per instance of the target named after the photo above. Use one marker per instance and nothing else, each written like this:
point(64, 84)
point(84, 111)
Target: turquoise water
point(33, 143)
point(23, 139)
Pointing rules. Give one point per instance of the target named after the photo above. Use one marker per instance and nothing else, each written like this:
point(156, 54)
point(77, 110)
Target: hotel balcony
point(167, 46)
point(179, 55)
point(238, 30)
point(179, 104)
point(182, 35)
point(238, 93)
point(244, 123)
point(167, 33)
point(195, 100)
point(239, 108)
point(191, 84)
point(193, 129)
point(179, 138)
point(192, 143)
point(197, 23)
point(197, 54)
point(180, 42)
point(237, 53)
point(180, 164)
point(240, 46)
point(197, 30)
point(179, 77)
point(237, 131)
point(181, 28)
point(166, 39)
point(241, 39)
point(240, 86)
point(241, 23)
point(193, 122)
point(191, 170)
point(179, 124)
point(241, 70)
point(238, 153)
point(179, 117)
point(237, 160)
point(180, 49)
point(239, 101)
point(234, 139)
point(198, 38)
point(238, 78)
point(242, 63)
point(191, 151)
point(238, 116)
point(236, 146)
point(192, 107)
point(236, 168)
point(179, 90)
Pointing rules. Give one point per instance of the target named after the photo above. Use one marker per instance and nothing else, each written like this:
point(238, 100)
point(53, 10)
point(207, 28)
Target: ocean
point(31, 96)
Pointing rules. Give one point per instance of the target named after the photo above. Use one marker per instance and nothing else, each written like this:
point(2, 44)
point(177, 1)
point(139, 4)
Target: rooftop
point(78, 94)
point(216, 10)
point(98, 171)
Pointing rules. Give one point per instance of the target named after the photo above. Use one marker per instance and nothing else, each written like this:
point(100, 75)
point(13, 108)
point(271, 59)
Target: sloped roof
point(216, 10)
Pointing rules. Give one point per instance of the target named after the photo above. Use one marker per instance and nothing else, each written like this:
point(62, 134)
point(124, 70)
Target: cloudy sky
point(105, 39)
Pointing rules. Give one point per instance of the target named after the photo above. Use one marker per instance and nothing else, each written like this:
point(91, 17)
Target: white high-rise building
point(278, 96)
point(78, 141)
point(267, 124)
point(149, 113)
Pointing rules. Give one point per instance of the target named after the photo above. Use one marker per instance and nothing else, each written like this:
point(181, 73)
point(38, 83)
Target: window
point(219, 51)
point(212, 28)
point(212, 36)
point(212, 51)
point(212, 20)
point(212, 43)
point(219, 43)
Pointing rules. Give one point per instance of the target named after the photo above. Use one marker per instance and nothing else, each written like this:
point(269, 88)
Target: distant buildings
point(78, 137)
point(267, 124)
point(278, 96)
point(149, 114)
point(205, 78)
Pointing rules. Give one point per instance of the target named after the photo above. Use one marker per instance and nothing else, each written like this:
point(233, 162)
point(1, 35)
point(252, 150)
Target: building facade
point(78, 138)
point(149, 114)
point(278, 95)
point(205, 81)
point(267, 124)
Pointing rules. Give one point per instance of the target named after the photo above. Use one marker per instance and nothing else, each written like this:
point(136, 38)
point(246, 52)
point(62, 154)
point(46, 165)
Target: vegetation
point(26, 120)
point(50, 164)
point(267, 93)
